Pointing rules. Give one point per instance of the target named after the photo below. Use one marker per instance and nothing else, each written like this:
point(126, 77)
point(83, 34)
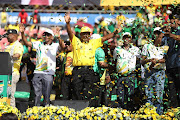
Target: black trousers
point(83, 79)
point(66, 87)
point(174, 86)
point(125, 89)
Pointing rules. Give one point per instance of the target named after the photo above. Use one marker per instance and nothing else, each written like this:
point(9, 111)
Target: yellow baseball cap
point(85, 29)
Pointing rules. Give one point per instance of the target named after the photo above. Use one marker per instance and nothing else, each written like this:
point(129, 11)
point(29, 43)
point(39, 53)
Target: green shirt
point(25, 47)
point(111, 27)
point(95, 31)
point(99, 56)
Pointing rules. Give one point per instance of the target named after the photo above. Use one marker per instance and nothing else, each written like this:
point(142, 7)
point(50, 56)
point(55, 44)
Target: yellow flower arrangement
point(5, 108)
point(146, 112)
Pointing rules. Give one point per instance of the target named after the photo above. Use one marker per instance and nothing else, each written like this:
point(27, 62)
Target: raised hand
point(67, 17)
point(21, 27)
point(57, 31)
point(119, 27)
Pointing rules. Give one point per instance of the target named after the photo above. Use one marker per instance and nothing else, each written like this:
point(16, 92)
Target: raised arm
point(111, 34)
point(173, 36)
point(67, 20)
point(57, 34)
point(22, 29)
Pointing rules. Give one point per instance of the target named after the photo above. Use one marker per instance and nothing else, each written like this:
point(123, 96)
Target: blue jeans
point(154, 88)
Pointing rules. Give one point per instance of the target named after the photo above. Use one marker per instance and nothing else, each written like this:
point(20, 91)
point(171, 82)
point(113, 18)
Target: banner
point(52, 2)
point(137, 2)
point(58, 18)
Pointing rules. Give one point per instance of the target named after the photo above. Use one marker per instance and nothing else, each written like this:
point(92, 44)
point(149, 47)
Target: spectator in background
point(23, 17)
point(96, 28)
point(3, 18)
point(120, 19)
point(158, 18)
point(36, 19)
point(15, 50)
point(166, 16)
point(151, 12)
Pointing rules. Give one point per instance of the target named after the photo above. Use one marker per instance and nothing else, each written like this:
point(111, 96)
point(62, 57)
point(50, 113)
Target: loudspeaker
point(5, 64)
point(76, 104)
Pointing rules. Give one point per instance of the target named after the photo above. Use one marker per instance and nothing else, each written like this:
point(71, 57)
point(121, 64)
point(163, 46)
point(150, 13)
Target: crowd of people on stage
point(116, 64)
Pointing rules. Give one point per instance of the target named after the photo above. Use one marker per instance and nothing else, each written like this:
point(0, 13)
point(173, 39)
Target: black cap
point(11, 31)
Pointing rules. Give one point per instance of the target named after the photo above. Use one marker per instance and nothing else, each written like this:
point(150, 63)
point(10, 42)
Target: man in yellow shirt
point(3, 18)
point(120, 19)
point(15, 50)
point(84, 59)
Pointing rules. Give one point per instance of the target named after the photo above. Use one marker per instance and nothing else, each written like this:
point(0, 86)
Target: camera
point(67, 42)
point(3, 36)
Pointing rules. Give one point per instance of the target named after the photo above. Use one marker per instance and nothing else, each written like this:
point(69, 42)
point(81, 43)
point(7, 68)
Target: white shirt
point(126, 59)
point(152, 51)
point(46, 57)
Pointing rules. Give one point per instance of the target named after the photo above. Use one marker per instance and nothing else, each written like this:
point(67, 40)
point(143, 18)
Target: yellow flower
point(70, 118)
point(67, 114)
point(59, 111)
point(121, 118)
point(88, 116)
point(104, 110)
point(171, 114)
point(154, 117)
point(77, 118)
point(63, 112)
point(175, 109)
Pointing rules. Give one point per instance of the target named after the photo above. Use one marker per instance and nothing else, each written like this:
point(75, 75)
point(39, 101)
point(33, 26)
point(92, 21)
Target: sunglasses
point(46, 34)
point(67, 42)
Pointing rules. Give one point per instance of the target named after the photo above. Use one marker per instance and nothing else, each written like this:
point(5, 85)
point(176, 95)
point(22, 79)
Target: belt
point(84, 67)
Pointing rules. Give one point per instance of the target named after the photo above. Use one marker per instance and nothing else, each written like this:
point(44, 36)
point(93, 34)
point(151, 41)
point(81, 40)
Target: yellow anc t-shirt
point(84, 53)
point(18, 49)
point(3, 17)
point(68, 66)
point(120, 19)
